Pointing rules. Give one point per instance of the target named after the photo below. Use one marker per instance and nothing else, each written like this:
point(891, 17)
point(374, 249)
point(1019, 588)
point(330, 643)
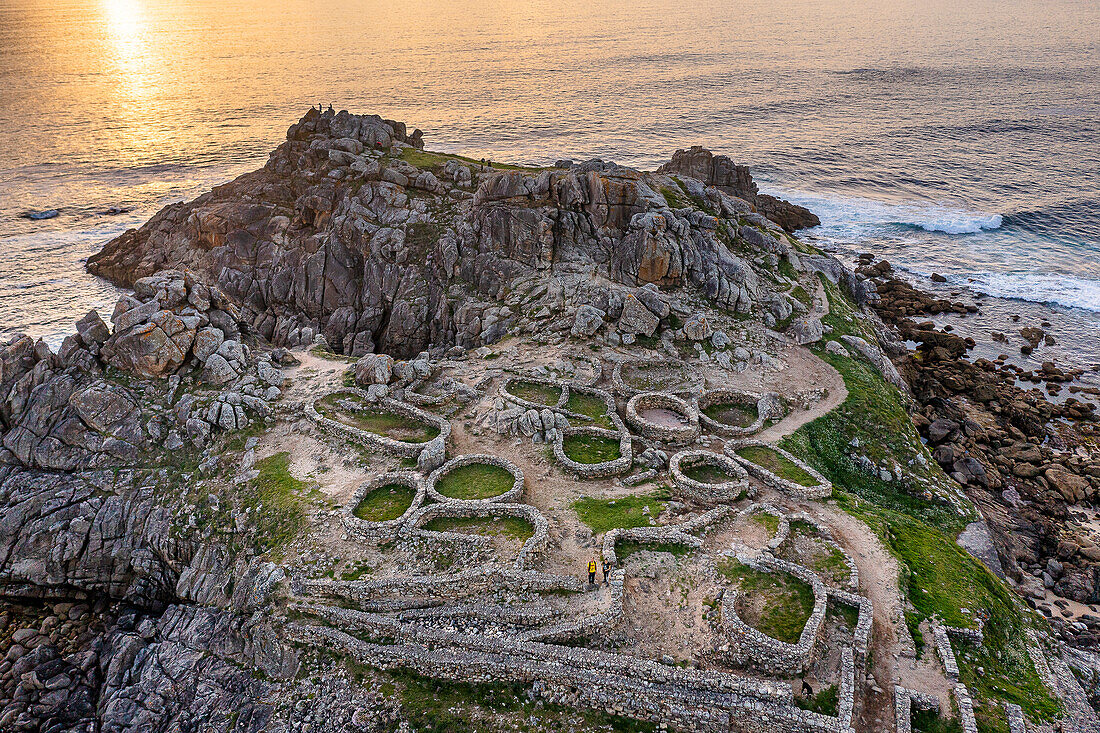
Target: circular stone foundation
point(732, 412)
point(476, 479)
point(366, 503)
point(663, 417)
point(653, 375)
point(534, 392)
point(391, 425)
point(594, 461)
point(707, 477)
point(779, 469)
point(528, 553)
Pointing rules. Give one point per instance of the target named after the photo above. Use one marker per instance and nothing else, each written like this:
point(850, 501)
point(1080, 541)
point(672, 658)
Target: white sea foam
point(1064, 290)
point(855, 213)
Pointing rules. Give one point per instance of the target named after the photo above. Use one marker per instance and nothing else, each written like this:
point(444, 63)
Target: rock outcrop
point(725, 175)
point(352, 232)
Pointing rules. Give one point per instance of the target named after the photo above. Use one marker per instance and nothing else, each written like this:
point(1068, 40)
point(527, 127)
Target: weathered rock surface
point(380, 255)
point(722, 173)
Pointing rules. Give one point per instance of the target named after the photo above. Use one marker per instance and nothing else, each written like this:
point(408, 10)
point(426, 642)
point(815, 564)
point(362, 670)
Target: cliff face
point(352, 232)
point(725, 175)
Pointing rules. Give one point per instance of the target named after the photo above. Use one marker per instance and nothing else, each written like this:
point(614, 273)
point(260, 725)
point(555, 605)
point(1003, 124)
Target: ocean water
point(957, 138)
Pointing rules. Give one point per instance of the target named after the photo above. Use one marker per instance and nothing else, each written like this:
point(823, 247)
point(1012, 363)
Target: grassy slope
point(918, 524)
point(279, 501)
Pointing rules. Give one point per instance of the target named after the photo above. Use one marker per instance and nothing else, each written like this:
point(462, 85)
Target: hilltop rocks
point(341, 235)
point(637, 319)
point(808, 330)
point(722, 173)
point(697, 328)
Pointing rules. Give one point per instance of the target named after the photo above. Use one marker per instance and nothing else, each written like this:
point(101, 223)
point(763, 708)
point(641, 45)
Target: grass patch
point(590, 406)
point(799, 293)
point(706, 473)
point(428, 159)
point(475, 481)
point(786, 269)
point(913, 621)
point(591, 449)
point(442, 706)
point(788, 602)
point(385, 503)
point(769, 522)
point(738, 414)
point(777, 464)
point(1008, 674)
point(832, 564)
point(278, 503)
point(540, 394)
point(514, 527)
point(848, 614)
point(825, 701)
point(626, 548)
point(322, 352)
point(374, 420)
point(624, 512)
point(930, 721)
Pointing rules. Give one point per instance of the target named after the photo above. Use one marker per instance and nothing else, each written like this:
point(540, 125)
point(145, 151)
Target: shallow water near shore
point(958, 139)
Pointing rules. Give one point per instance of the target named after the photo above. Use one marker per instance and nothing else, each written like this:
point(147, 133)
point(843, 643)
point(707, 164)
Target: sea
point(961, 139)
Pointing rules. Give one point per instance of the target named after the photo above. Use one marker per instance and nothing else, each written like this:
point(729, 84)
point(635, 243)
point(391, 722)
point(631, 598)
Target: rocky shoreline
point(1022, 457)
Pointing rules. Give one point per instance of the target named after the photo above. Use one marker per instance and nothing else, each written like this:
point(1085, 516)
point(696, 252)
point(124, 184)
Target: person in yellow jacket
point(592, 571)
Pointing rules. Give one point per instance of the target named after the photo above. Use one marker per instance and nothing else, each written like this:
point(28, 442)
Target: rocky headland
point(340, 459)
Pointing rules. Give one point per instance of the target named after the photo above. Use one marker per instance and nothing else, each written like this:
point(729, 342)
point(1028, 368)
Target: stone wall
point(383, 531)
point(707, 493)
point(861, 635)
point(826, 537)
point(573, 629)
point(695, 383)
point(374, 440)
point(542, 419)
point(606, 469)
point(768, 406)
point(681, 534)
point(679, 434)
point(687, 699)
point(607, 397)
point(520, 401)
point(529, 552)
point(511, 495)
point(450, 586)
point(822, 489)
point(906, 701)
point(748, 645)
point(966, 709)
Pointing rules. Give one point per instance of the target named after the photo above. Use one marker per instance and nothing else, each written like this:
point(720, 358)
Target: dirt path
point(817, 374)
